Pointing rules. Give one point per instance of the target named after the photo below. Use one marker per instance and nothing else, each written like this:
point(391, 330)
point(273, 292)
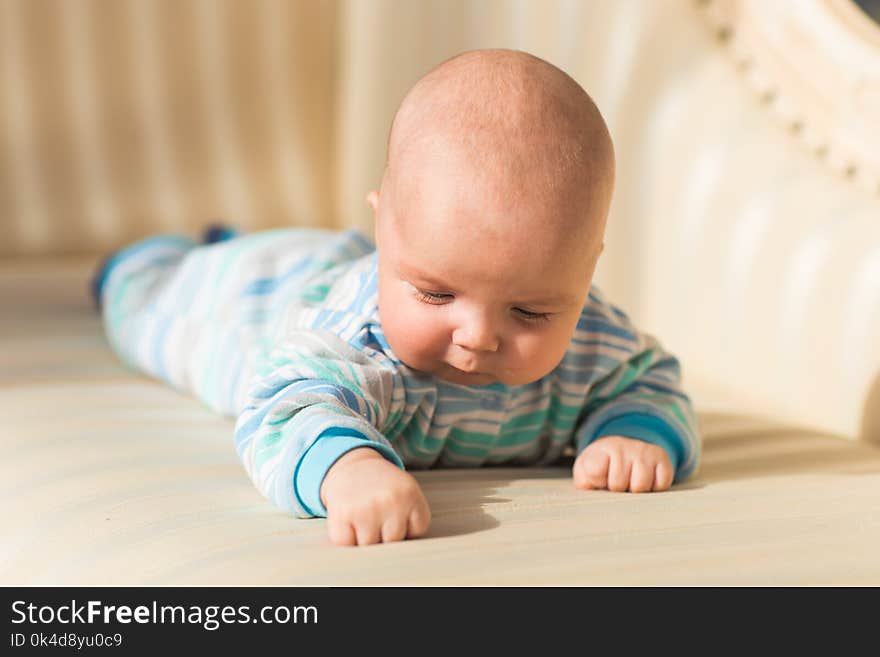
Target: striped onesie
point(280, 329)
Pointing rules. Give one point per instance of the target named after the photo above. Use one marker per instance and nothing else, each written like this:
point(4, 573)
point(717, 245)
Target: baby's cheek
point(540, 352)
point(414, 338)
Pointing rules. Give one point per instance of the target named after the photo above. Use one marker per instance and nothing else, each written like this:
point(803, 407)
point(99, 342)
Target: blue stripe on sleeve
point(323, 453)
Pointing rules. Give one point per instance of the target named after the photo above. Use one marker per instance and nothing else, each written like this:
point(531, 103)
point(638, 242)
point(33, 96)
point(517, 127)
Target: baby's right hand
point(371, 500)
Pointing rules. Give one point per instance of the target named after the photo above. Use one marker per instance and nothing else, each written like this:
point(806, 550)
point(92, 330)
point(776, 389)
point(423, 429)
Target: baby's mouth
point(470, 374)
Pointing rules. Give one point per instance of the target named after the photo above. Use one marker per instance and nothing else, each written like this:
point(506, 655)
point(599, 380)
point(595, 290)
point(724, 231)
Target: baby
point(468, 335)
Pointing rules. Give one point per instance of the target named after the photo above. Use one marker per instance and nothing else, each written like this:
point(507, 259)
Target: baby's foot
point(215, 232)
point(96, 284)
point(218, 232)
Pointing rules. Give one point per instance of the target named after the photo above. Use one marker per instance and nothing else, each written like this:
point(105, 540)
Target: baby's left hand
point(623, 464)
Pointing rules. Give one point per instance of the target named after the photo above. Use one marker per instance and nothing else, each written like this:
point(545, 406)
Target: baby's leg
point(176, 310)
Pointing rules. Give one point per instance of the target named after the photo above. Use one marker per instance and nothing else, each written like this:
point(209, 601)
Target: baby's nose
point(478, 336)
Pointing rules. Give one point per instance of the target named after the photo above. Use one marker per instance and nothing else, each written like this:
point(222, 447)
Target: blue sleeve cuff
point(649, 428)
point(323, 453)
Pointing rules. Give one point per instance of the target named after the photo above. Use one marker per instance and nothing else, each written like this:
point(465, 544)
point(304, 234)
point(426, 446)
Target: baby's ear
point(373, 201)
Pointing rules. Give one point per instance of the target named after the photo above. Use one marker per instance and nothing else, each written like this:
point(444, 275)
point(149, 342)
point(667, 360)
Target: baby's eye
point(532, 317)
point(432, 297)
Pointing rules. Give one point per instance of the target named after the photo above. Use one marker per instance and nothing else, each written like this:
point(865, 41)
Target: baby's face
point(473, 288)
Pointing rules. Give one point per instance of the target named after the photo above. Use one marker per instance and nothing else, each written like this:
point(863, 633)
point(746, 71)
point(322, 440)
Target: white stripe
point(520, 26)
point(211, 58)
point(296, 180)
point(26, 185)
point(570, 30)
point(77, 40)
point(626, 35)
point(151, 91)
point(748, 236)
point(801, 272)
point(860, 325)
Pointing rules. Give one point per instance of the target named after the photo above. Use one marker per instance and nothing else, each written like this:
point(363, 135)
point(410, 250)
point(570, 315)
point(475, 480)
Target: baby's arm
point(316, 412)
point(638, 430)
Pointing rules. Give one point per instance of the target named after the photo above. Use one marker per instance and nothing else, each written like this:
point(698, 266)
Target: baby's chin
point(446, 372)
point(452, 375)
point(508, 378)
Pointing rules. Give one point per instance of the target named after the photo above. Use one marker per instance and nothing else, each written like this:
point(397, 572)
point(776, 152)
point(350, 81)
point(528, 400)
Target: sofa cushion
point(111, 478)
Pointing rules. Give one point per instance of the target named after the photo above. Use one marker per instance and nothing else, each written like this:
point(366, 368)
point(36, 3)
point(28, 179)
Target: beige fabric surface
point(112, 478)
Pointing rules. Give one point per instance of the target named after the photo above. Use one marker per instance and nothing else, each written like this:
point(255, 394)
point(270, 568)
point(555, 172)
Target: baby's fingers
point(394, 528)
point(419, 520)
point(642, 477)
point(341, 533)
point(399, 526)
point(619, 473)
point(368, 533)
point(348, 530)
point(663, 475)
point(591, 470)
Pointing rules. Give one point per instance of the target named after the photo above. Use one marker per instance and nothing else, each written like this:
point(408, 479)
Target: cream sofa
point(745, 234)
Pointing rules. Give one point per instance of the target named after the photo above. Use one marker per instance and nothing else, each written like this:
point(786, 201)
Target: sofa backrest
point(118, 119)
point(745, 229)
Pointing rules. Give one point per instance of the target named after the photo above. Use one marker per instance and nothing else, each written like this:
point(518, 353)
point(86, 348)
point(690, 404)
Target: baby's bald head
point(490, 219)
point(513, 127)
